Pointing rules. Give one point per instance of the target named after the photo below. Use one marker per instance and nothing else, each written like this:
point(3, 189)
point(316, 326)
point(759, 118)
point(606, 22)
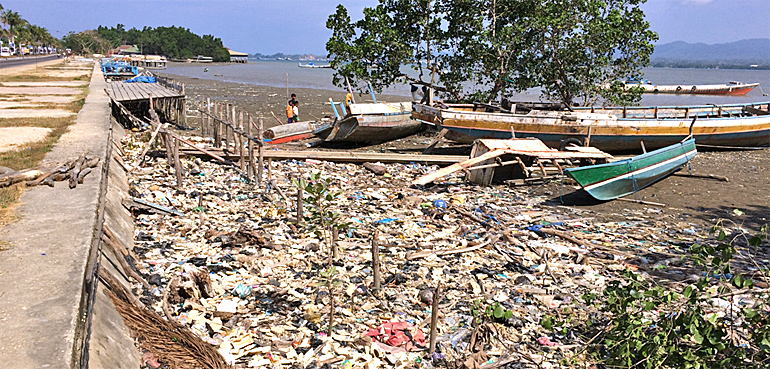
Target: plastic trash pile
point(240, 273)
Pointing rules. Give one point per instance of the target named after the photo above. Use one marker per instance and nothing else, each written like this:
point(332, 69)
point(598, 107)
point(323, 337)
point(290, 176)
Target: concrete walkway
point(42, 271)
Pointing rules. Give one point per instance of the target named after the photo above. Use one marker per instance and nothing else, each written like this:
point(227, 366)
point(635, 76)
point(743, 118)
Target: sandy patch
point(13, 137)
point(60, 99)
point(45, 84)
point(14, 104)
point(40, 90)
point(35, 113)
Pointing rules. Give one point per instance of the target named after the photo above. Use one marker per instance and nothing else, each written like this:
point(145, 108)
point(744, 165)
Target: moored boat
point(377, 122)
point(624, 177)
point(313, 65)
point(613, 129)
point(733, 88)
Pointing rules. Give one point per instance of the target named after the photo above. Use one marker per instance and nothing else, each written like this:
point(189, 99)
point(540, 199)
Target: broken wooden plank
point(134, 203)
point(428, 178)
point(348, 157)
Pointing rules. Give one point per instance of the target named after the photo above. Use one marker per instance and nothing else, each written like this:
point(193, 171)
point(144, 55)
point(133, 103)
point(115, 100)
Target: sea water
point(277, 73)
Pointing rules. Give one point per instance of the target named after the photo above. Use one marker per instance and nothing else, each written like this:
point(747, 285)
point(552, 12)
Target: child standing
point(290, 111)
point(296, 111)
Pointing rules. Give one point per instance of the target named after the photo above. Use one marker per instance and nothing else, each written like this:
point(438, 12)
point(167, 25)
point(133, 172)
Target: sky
point(299, 26)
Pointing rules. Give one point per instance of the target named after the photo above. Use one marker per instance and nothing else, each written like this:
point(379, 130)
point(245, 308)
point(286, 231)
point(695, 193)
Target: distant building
point(237, 57)
point(124, 50)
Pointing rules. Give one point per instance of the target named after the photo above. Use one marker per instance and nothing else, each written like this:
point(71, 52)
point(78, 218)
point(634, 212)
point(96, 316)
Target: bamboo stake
point(208, 116)
point(240, 141)
point(252, 170)
point(233, 123)
point(226, 128)
point(217, 126)
point(200, 122)
point(376, 261)
point(260, 151)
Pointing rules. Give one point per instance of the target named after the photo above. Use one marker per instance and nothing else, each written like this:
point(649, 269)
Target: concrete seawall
point(53, 312)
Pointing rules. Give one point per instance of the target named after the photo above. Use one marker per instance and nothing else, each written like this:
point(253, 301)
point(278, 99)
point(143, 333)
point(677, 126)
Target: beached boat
point(313, 65)
point(612, 129)
point(733, 88)
point(290, 132)
point(378, 122)
point(624, 177)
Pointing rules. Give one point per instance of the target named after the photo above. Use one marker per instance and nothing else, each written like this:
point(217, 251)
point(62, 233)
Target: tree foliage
point(19, 31)
point(86, 42)
point(173, 42)
point(485, 50)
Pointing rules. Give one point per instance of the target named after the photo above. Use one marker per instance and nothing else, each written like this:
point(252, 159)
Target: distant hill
point(743, 53)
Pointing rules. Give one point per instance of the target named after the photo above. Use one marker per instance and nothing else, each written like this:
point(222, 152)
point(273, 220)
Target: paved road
point(15, 62)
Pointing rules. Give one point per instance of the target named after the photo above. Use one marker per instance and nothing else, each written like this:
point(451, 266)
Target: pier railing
point(170, 83)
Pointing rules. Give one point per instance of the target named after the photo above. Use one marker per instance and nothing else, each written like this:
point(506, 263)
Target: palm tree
point(13, 21)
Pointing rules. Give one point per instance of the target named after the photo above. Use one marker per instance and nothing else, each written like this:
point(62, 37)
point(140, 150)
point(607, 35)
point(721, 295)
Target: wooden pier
point(168, 96)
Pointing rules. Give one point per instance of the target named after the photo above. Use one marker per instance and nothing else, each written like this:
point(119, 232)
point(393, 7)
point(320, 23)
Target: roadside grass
point(8, 203)
point(27, 157)
point(73, 106)
point(33, 153)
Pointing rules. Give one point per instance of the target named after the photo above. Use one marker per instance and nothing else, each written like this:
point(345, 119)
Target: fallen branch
point(426, 253)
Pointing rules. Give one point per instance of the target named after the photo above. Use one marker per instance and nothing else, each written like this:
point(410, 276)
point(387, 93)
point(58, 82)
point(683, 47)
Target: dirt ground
point(13, 137)
point(693, 202)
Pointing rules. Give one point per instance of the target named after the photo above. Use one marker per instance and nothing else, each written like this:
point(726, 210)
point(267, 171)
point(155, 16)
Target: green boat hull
point(617, 179)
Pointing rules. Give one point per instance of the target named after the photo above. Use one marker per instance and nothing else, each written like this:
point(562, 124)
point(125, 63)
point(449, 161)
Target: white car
point(5, 51)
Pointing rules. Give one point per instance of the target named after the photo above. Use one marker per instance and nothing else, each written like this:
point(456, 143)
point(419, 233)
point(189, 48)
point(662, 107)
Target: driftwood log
point(75, 170)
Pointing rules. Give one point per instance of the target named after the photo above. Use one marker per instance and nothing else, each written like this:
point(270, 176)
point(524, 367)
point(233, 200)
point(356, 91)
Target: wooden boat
point(613, 129)
point(378, 122)
point(290, 132)
point(313, 65)
point(733, 88)
point(624, 177)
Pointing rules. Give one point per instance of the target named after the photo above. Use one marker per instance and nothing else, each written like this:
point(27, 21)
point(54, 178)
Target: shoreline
point(263, 99)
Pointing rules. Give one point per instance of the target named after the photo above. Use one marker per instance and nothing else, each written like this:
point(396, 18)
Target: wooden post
point(234, 122)
point(269, 164)
point(588, 138)
point(169, 149)
point(434, 318)
point(178, 165)
point(376, 261)
point(300, 201)
point(226, 128)
point(218, 127)
point(261, 161)
point(208, 117)
point(202, 125)
point(252, 170)
point(240, 142)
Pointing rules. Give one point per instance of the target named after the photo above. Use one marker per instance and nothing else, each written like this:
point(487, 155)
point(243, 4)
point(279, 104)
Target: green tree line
point(173, 42)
